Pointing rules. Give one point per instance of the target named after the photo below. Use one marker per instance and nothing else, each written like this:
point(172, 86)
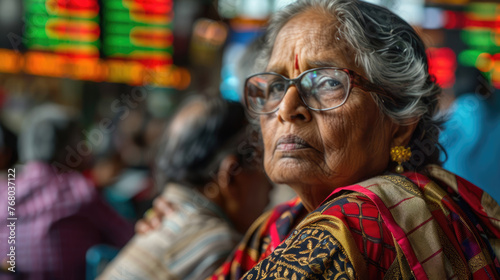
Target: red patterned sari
point(416, 226)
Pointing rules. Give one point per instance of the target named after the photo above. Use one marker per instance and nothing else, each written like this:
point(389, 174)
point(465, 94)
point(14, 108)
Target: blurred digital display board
point(138, 30)
point(480, 26)
point(122, 41)
point(477, 27)
point(67, 27)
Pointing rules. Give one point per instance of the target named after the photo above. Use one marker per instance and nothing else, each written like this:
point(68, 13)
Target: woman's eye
point(328, 84)
point(276, 88)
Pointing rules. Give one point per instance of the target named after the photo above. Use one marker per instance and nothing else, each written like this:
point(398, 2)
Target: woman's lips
point(291, 142)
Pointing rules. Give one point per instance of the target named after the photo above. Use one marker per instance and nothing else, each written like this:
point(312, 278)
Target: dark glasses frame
point(355, 80)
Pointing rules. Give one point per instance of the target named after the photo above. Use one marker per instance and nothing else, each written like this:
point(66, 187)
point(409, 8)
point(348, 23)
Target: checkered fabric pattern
point(370, 233)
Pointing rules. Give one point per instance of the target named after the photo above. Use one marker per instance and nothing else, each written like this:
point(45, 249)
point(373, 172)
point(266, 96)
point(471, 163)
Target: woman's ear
point(401, 134)
point(230, 195)
point(228, 169)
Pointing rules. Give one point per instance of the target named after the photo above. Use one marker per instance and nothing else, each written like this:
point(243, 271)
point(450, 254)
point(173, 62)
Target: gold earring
point(400, 154)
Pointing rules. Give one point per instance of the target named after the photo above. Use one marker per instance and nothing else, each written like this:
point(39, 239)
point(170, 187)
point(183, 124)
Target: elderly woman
point(345, 99)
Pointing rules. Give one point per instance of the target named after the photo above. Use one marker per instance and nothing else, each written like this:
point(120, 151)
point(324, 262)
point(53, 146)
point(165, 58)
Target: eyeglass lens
point(319, 89)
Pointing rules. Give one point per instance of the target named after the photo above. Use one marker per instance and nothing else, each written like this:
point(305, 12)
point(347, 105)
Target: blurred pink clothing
point(59, 217)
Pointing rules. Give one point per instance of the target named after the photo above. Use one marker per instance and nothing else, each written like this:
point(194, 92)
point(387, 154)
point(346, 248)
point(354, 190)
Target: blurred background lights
point(278, 4)
point(433, 18)
point(257, 9)
point(485, 62)
point(410, 10)
point(9, 11)
point(442, 64)
point(132, 41)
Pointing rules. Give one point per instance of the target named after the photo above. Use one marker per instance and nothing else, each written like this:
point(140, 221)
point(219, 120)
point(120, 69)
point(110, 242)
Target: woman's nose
point(292, 108)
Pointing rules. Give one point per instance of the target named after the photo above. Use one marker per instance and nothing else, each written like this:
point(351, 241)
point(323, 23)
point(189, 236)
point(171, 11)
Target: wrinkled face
point(316, 152)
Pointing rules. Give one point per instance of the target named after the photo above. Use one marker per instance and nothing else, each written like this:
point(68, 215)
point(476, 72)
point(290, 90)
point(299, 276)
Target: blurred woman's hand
point(153, 217)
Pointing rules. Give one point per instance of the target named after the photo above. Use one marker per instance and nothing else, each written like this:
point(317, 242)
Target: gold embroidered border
point(477, 262)
point(451, 254)
point(275, 268)
point(434, 195)
point(339, 231)
point(403, 182)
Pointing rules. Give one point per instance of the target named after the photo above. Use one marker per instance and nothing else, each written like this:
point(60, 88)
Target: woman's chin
point(292, 170)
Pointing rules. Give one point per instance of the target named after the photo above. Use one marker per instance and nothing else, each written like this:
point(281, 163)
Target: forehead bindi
point(299, 41)
point(320, 40)
point(311, 36)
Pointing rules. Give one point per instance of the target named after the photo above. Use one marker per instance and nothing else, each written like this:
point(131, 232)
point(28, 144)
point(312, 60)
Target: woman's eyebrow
point(321, 63)
point(311, 64)
point(279, 70)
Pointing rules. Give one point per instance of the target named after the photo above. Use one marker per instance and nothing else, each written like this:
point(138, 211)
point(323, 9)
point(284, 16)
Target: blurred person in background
point(123, 141)
point(122, 164)
point(8, 149)
point(214, 186)
point(471, 134)
point(60, 214)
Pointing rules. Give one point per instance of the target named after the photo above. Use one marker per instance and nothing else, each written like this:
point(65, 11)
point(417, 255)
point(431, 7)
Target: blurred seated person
point(215, 187)
point(59, 213)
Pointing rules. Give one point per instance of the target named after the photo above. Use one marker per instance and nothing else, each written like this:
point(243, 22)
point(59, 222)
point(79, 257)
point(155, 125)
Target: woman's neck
point(312, 196)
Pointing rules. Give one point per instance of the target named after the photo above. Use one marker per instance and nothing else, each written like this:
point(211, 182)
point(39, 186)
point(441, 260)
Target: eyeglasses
point(320, 89)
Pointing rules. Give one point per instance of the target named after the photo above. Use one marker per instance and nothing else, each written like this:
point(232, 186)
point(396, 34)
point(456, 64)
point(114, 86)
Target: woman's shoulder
point(343, 238)
point(349, 207)
point(345, 203)
point(308, 253)
point(284, 214)
point(353, 222)
point(287, 211)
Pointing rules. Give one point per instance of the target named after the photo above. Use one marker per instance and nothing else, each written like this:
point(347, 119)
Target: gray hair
point(393, 57)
